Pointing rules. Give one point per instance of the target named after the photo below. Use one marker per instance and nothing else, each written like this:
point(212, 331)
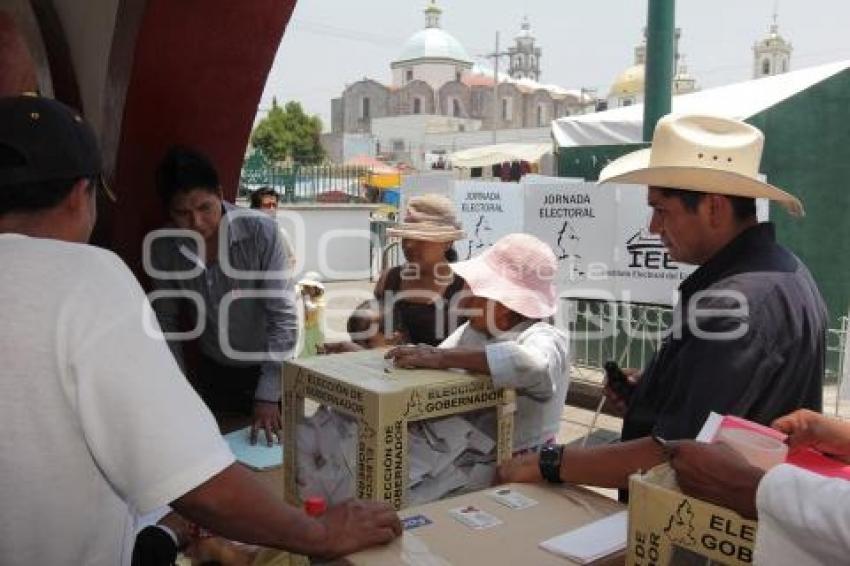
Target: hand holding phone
point(617, 382)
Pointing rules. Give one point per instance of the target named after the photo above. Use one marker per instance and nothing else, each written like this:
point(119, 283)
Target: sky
point(331, 43)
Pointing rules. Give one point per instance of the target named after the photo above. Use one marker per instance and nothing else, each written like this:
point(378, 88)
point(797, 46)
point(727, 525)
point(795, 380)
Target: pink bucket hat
point(518, 271)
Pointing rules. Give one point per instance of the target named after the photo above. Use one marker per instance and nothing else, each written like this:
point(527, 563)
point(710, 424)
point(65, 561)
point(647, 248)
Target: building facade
point(435, 76)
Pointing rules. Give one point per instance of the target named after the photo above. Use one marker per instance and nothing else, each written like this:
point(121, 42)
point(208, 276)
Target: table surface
point(448, 542)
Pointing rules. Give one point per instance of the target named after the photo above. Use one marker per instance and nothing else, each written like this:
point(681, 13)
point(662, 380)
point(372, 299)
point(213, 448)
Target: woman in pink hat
point(509, 300)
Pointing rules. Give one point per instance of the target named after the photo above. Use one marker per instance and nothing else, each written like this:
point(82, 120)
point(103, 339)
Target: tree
point(289, 133)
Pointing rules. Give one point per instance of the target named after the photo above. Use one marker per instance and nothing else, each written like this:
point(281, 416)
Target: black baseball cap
point(46, 141)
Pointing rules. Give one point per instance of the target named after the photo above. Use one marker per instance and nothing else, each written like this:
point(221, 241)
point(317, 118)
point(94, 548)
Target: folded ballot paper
point(592, 541)
point(806, 458)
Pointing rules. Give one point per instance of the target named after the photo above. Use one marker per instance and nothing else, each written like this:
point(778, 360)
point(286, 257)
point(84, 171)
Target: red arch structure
point(188, 72)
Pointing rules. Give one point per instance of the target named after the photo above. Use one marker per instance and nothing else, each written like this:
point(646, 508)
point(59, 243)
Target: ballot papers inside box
point(666, 527)
point(383, 415)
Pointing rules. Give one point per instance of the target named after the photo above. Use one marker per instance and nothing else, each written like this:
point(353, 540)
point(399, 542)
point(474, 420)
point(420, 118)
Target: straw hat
point(701, 153)
point(431, 218)
point(517, 271)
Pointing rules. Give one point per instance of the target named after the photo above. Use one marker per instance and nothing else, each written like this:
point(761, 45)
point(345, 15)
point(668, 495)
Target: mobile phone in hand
point(617, 381)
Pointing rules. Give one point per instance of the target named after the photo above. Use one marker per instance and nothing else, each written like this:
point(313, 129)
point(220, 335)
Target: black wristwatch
point(550, 462)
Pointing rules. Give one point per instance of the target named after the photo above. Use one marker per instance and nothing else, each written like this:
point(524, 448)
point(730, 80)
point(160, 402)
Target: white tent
point(498, 153)
point(739, 101)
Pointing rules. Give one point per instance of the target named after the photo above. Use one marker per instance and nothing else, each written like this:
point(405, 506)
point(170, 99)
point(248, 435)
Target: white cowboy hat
point(701, 153)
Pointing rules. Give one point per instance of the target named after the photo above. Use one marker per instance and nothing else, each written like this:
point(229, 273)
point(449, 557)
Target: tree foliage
point(288, 132)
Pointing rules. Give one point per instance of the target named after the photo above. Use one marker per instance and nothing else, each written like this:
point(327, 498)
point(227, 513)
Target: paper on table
point(591, 542)
point(260, 456)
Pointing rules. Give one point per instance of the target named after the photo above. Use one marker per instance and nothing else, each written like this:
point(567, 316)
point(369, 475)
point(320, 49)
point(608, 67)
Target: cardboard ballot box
point(383, 400)
point(434, 536)
point(669, 527)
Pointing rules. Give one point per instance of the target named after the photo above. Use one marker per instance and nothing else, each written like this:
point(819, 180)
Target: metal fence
point(630, 334)
point(307, 183)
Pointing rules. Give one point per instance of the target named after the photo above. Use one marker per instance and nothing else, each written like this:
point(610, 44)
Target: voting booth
point(383, 401)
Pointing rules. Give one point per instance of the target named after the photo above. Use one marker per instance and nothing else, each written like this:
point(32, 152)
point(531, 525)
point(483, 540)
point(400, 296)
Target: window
point(541, 115)
point(455, 107)
point(628, 102)
point(408, 75)
point(458, 74)
point(364, 108)
point(417, 105)
point(765, 67)
point(785, 65)
point(506, 109)
point(398, 145)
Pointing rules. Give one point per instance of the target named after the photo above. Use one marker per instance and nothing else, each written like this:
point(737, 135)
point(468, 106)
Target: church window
point(541, 114)
point(408, 75)
point(784, 65)
point(417, 105)
point(458, 74)
point(455, 107)
point(364, 108)
point(765, 67)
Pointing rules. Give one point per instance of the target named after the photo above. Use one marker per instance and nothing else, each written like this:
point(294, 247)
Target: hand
point(807, 428)
point(217, 550)
point(632, 377)
point(420, 356)
point(267, 418)
point(338, 348)
point(520, 469)
point(357, 524)
point(717, 474)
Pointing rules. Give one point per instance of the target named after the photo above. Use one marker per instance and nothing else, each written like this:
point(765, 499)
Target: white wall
point(330, 239)
point(435, 74)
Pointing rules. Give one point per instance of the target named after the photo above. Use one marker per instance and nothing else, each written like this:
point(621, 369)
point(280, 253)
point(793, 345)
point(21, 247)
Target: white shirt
point(532, 358)
point(804, 519)
point(97, 424)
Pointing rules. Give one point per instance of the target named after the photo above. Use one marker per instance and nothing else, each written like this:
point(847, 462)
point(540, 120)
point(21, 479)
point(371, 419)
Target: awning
point(498, 153)
point(738, 101)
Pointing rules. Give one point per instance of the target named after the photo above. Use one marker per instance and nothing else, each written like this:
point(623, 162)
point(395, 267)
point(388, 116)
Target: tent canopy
point(498, 153)
point(739, 101)
point(376, 166)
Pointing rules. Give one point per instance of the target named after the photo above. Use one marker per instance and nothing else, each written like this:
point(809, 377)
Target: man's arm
point(237, 505)
point(603, 466)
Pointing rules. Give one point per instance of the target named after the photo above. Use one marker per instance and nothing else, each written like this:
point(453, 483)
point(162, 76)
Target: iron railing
point(307, 183)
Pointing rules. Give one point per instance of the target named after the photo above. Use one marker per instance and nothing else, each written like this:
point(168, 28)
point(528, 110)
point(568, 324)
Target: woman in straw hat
point(419, 293)
point(509, 299)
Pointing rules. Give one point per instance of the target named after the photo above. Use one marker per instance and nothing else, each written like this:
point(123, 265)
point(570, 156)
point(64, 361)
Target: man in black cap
point(97, 420)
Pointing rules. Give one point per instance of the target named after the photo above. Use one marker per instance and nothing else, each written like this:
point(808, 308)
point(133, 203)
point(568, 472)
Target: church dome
point(433, 43)
point(629, 82)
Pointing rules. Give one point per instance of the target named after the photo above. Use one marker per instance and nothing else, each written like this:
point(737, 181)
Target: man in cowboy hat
point(749, 331)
